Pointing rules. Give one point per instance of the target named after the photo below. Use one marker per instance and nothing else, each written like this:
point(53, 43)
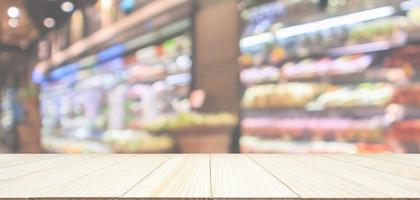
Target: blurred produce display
point(406, 130)
point(320, 95)
point(326, 66)
point(104, 111)
point(260, 75)
point(408, 95)
point(317, 128)
point(365, 94)
point(67, 145)
point(189, 120)
point(129, 141)
point(106, 107)
point(252, 144)
point(298, 42)
point(341, 79)
point(281, 95)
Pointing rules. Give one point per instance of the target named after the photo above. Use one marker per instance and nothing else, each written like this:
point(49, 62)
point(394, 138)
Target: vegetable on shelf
point(130, 141)
point(319, 128)
point(190, 119)
point(281, 95)
point(326, 66)
point(317, 95)
point(252, 144)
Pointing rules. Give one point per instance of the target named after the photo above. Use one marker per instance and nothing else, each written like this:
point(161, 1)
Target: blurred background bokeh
point(209, 76)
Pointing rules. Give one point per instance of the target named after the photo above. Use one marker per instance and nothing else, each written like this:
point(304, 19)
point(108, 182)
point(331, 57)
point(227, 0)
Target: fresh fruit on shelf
point(378, 148)
point(245, 60)
point(305, 68)
point(396, 29)
point(365, 94)
point(53, 144)
point(253, 144)
point(281, 95)
point(326, 66)
point(407, 95)
point(130, 141)
point(310, 128)
point(145, 73)
point(405, 58)
point(406, 130)
point(191, 119)
point(312, 95)
point(259, 75)
point(277, 55)
point(375, 30)
point(374, 35)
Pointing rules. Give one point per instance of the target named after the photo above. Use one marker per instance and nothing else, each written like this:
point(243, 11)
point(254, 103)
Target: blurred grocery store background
point(210, 76)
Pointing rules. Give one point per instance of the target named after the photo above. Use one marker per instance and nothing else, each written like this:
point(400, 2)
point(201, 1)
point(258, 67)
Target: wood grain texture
point(39, 165)
point(112, 181)
point(395, 168)
point(237, 176)
point(182, 176)
point(209, 176)
point(406, 159)
point(309, 182)
point(28, 186)
point(7, 160)
point(377, 181)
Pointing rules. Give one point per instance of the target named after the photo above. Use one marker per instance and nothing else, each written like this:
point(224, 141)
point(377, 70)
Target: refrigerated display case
point(340, 79)
point(129, 94)
point(104, 108)
point(10, 115)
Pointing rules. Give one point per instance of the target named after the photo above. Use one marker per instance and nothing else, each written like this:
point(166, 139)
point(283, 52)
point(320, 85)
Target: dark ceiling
point(32, 15)
point(25, 30)
point(18, 41)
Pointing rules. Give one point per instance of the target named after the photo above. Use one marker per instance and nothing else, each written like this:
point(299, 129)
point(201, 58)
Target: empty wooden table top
point(209, 176)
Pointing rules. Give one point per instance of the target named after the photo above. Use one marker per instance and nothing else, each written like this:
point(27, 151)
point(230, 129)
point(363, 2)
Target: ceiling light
point(49, 22)
point(67, 6)
point(13, 23)
point(13, 12)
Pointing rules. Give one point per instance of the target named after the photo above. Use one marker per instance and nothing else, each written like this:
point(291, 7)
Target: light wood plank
point(39, 165)
point(112, 181)
point(27, 186)
point(7, 160)
point(380, 165)
point(406, 159)
point(236, 176)
point(309, 182)
point(182, 176)
point(385, 183)
point(217, 176)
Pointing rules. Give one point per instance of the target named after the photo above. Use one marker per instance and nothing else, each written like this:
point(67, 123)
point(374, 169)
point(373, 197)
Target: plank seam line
point(367, 168)
point(86, 174)
point(378, 169)
point(166, 160)
point(27, 162)
point(34, 172)
point(298, 196)
point(343, 177)
point(211, 185)
point(391, 161)
point(374, 177)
